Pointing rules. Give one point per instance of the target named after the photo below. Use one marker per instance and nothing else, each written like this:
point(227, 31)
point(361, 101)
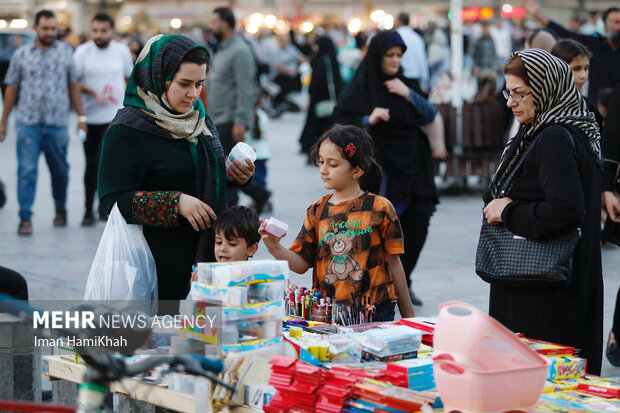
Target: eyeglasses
point(516, 97)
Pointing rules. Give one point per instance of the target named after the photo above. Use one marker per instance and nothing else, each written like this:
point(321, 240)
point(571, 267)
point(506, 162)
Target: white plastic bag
point(124, 268)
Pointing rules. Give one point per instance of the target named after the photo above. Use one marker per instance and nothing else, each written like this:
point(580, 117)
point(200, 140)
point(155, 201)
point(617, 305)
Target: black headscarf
point(401, 147)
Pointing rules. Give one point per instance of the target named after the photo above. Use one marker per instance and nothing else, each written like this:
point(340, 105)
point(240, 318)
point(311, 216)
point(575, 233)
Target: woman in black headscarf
point(391, 107)
point(557, 189)
point(323, 64)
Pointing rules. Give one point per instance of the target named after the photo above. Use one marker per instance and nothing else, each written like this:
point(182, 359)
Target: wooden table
point(57, 368)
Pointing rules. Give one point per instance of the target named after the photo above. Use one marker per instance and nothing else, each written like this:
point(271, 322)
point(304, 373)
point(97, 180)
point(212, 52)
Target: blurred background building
point(151, 16)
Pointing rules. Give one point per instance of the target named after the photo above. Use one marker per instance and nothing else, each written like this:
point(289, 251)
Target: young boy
point(236, 235)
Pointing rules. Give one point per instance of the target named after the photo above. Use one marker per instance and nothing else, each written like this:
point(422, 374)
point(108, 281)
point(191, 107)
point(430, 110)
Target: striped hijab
point(556, 101)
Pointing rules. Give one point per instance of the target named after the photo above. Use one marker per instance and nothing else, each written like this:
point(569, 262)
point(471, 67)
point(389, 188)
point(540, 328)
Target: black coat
point(558, 186)
point(605, 62)
point(610, 145)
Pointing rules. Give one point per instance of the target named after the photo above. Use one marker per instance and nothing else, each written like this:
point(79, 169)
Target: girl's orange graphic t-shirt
point(348, 247)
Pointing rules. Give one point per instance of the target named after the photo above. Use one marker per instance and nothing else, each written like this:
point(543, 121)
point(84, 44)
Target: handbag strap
point(507, 185)
point(330, 78)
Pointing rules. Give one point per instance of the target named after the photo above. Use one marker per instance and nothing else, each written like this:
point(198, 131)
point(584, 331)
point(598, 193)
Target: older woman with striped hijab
point(557, 189)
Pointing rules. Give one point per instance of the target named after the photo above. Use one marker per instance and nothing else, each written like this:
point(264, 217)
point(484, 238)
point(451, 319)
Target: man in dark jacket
point(605, 62)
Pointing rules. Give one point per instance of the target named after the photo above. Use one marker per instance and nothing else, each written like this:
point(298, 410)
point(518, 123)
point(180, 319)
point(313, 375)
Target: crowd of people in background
point(388, 83)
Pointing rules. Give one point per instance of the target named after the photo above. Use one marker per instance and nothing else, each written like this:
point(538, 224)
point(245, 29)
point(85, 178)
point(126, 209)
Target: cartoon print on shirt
point(342, 266)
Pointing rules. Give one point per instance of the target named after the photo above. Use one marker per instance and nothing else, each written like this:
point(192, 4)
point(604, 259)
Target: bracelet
point(82, 119)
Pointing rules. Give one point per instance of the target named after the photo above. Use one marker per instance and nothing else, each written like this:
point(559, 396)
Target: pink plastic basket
point(481, 366)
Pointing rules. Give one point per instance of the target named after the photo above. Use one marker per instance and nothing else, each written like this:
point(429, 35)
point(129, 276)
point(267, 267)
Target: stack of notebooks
point(576, 401)
point(424, 324)
point(418, 373)
point(608, 387)
point(375, 396)
point(296, 383)
point(336, 390)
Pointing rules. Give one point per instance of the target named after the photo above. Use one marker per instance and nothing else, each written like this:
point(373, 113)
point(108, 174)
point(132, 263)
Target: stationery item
point(295, 332)
point(576, 401)
point(561, 385)
point(546, 348)
point(392, 341)
point(419, 372)
point(405, 355)
point(608, 387)
point(313, 348)
point(323, 351)
point(566, 367)
point(275, 227)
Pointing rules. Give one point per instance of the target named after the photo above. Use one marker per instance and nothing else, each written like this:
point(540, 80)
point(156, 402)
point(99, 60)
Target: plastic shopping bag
point(124, 268)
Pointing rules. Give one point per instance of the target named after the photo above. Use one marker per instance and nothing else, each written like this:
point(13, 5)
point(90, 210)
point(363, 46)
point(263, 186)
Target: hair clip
point(350, 150)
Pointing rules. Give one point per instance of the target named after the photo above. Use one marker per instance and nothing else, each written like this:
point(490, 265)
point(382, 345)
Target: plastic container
point(276, 227)
point(242, 272)
point(480, 366)
point(227, 296)
point(249, 272)
point(385, 342)
point(236, 332)
point(476, 340)
point(241, 151)
point(268, 291)
point(253, 312)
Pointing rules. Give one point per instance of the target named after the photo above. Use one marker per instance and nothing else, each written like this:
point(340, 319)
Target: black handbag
point(503, 258)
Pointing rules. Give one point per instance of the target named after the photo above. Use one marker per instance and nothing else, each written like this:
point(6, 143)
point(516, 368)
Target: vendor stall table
point(57, 368)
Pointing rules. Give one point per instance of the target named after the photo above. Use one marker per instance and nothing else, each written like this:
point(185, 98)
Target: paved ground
point(56, 261)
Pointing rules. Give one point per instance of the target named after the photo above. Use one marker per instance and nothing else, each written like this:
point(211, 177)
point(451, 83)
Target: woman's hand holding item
point(199, 214)
point(493, 211)
point(398, 87)
point(613, 205)
point(379, 115)
point(241, 172)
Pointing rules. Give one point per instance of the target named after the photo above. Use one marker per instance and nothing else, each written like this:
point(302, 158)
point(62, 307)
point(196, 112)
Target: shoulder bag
point(325, 108)
point(503, 258)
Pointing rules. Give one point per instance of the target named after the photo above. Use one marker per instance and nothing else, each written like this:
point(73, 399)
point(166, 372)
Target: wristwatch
point(82, 119)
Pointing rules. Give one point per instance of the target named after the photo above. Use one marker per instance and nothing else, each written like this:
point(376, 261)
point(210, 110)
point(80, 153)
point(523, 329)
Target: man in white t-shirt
point(414, 62)
point(103, 67)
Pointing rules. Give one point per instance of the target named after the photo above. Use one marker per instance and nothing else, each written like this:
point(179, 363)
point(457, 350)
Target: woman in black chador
point(392, 108)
